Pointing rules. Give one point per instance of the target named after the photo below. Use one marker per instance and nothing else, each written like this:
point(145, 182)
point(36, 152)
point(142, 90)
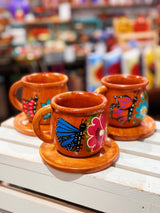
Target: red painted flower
point(97, 133)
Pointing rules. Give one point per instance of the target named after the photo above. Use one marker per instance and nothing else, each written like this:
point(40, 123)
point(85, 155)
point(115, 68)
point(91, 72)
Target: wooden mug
point(127, 99)
point(38, 89)
point(78, 123)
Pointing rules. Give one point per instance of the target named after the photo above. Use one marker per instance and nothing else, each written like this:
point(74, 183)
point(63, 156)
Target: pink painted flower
point(97, 133)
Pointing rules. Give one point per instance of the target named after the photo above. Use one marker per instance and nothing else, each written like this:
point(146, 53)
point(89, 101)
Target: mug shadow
point(64, 176)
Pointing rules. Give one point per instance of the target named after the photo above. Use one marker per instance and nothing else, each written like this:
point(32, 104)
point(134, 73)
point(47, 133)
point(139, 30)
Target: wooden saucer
point(23, 125)
point(94, 163)
point(145, 129)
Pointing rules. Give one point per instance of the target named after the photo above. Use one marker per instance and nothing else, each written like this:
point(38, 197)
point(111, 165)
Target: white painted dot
point(101, 132)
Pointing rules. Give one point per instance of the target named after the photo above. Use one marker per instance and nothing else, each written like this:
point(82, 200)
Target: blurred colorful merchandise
point(149, 66)
point(4, 4)
point(157, 65)
point(19, 36)
point(5, 18)
point(139, 29)
point(98, 2)
point(27, 53)
point(79, 2)
point(131, 62)
point(39, 34)
point(49, 3)
point(94, 71)
point(141, 24)
point(111, 42)
point(43, 8)
point(135, 61)
point(121, 2)
point(112, 62)
point(19, 8)
point(54, 46)
point(68, 36)
point(5, 39)
point(131, 2)
point(53, 55)
point(123, 25)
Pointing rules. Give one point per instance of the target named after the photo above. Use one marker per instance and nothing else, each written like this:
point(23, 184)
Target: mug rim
point(86, 110)
point(105, 81)
point(33, 84)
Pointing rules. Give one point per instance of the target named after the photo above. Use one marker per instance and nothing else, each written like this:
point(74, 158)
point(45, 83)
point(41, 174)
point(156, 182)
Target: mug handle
point(36, 123)
point(101, 90)
point(12, 95)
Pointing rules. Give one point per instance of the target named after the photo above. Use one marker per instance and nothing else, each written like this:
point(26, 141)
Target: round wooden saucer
point(145, 129)
point(94, 163)
point(23, 125)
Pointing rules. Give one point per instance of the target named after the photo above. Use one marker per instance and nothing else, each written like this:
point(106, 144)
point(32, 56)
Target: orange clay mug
point(78, 123)
point(127, 99)
point(38, 89)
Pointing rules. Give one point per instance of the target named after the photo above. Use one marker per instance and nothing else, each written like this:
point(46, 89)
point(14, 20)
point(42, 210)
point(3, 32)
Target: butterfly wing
point(29, 106)
point(25, 106)
point(124, 101)
point(66, 134)
point(32, 107)
point(122, 111)
point(118, 114)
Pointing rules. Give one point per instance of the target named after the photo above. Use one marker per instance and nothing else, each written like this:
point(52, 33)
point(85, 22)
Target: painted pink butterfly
point(123, 109)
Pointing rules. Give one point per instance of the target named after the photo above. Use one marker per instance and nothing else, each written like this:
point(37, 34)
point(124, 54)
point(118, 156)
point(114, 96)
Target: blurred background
point(85, 39)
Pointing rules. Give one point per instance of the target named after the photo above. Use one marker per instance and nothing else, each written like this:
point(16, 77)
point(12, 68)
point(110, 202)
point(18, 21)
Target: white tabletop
point(131, 185)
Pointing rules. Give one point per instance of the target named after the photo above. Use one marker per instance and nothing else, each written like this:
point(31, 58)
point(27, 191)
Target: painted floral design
point(91, 132)
point(96, 131)
point(144, 96)
point(44, 104)
point(142, 107)
point(142, 110)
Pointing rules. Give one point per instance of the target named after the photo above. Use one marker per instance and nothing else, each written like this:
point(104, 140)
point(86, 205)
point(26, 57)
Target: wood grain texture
point(35, 202)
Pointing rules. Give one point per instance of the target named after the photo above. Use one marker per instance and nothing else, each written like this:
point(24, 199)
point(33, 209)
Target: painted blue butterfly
point(44, 104)
point(69, 136)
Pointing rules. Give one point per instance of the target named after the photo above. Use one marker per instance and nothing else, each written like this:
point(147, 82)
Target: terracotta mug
point(78, 123)
point(127, 99)
point(38, 89)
